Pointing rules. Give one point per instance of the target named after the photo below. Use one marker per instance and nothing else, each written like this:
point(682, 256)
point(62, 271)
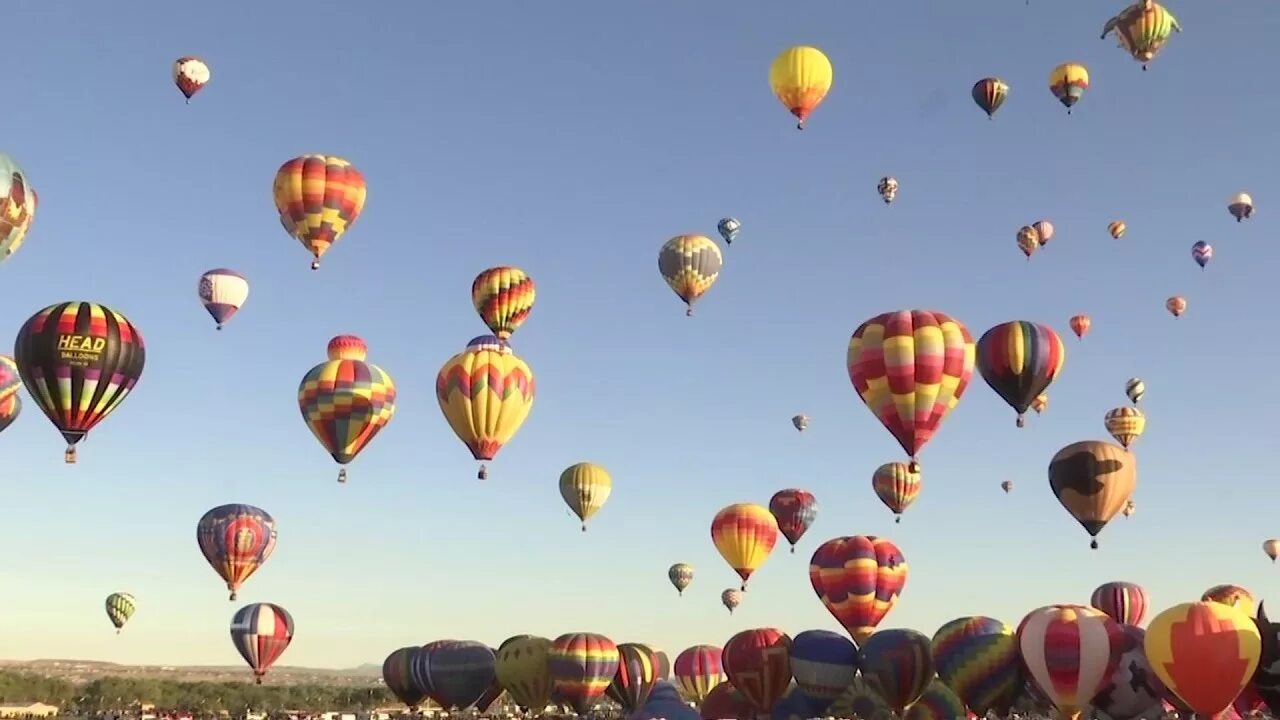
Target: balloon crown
point(347, 347)
point(489, 343)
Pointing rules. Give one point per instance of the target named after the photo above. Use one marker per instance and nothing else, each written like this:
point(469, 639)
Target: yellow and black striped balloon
point(690, 264)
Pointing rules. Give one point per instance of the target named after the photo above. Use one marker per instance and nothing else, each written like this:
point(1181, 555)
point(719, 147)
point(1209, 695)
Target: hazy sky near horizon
point(572, 139)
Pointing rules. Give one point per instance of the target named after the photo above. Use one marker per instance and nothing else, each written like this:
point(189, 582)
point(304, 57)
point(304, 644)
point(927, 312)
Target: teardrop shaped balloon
point(585, 488)
point(801, 77)
point(1068, 82)
point(744, 534)
point(758, 663)
point(1093, 480)
point(1134, 388)
point(582, 665)
point(698, 671)
point(899, 663)
point(1176, 305)
point(1019, 360)
point(858, 578)
point(503, 296)
point(1126, 424)
point(396, 675)
point(636, 677)
point(731, 598)
point(261, 632)
point(236, 540)
point(1116, 228)
point(1044, 231)
point(896, 486)
point(801, 422)
point(989, 94)
point(690, 264)
point(824, 663)
point(681, 576)
point(1202, 253)
point(888, 189)
point(190, 74)
point(795, 510)
point(1069, 673)
point(978, 658)
point(728, 228)
point(222, 292)
point(319, 197)
point(486, 393)
point(1080, 325)
point(1041, 403)
point(346, 401)
point(120, 607)
point(1272, 548)
point(1240, 206)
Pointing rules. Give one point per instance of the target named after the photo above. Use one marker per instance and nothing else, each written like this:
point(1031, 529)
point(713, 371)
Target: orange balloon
point(1080, 325)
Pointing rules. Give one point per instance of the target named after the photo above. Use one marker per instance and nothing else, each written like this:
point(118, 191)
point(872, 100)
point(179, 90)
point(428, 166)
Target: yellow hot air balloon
point(690, 264)
point(1068, 82)
point(1271, 548)
point(1205, 653)
point(1126, 424)
point(318, 198)
point(744, 534)
point(801, 77)
point(1142, 29)
point(485, 392)
point(585, 488)
point(522, 671)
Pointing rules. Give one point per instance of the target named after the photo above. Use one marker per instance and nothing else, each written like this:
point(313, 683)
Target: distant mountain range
point(87, 670)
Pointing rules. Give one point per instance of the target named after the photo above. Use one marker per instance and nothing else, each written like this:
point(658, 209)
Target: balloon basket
point(69, 456)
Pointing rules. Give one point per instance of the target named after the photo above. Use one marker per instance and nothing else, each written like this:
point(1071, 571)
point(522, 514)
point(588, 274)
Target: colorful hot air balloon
point(1240, 206)
point(79, 360)
point(261, 633)
point(858, 579)
point(744, 534)
point(978, 658)
point(888, 189)
point(795, 510)
point(1019, 360)
point(1130, 508)
point(801, 422)
point(636, 676)
point(10, 408)
point(800, 77)
point(1124, 602)
point(120, 607)
point(236, 540)
point(758, 663)
point(896, 486)
point(1116, 228)
point(698, 671)
point(824, 664)
point(1069, 672)
point(1006, 486)
point(1142, 29)
point(1202, 253)
point(1125, 424)
point(461, 671)
point(1044, 231)
point(503, 296)
point(899, 663)
point(17, 206)
point(1233, 595)
point(1132, 691)
point(398, 678)
point(485, 393)
point(728, 228)
point(582, 665)
point(1134, 388)
point(1041, 403)
point(522, 670)
point(911, 367)
point(681, 576)
point(725, 702)
point(1068, 82)
point(938, 702)
point(318, 197)
point(585, 488)
point(222, 292)
point(1176, 305)
point(346, 401)
point(861, 700)
point(1093, 480)
point(1028, 240)
point(1271, 548)
point(1080, 325)
point(1204, 652)
point(990, 93)
point(731, 598)
point(10, 382)
point(190, 74)
point(690, 264)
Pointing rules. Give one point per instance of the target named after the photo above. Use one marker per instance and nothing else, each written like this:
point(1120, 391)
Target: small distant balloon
point(190, 74)
point(1126, 424)
point(222, 292)
point(1028, 240)
point(801, 422)
point(1116, 228)
point(681, 576)
point(731, 599)
point(1041, 403)
point(1240, 206)
point(1176, 305)
point(888, 189)
point(1202, 253)
point(1080, 325)
point(728, 229)
point(1044, 230)
point(1135, 389)
point(1006, 486)
point(989, 93)
point(1068, 82)
point(1271, 548)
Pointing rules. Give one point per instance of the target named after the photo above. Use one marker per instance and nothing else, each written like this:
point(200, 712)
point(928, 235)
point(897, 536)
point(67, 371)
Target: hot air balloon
point(896, 486)
point(1069, 673)
point(1142, 29)
point(1093, 480)
point(1204, 652)
point(665, 703)
point(1044, 231)
point(485, 393)
point(503, 296)
point(978, 658)
point(888, 189)
point(824, 664)
point(461, 671)
point(990, 93)
point(261, 633)
point(1028, 240)
point(698, 671)
point(911, 367)
point(1116, 228)
point(17, 206)
point(236, 540)
point(680, 575)
point(731, 598)
point(346, 401)
point(858, 579)
point(190, 74)
point(1130, 508)
point(1176, 305)
point(1019, 360)
point(222, 292)
point(318, 197)
point(800, 422)
point(800, 77)
point(758, 664)
point(1006, 486)
point(120, 607)
point(1041, 403)
point(728, 228)
point(744, 534)
point(899, 664)
point(522, 670)
point(1125, 424)
point(636, 677)
point(938, 702)
point(1202, 253)
point(1080, 325)
point(1124, 602)
point(582, 665)
point(1132, 691)
point(725, 702)
point(10, 382)
point(1233, 595)
point(398, 678)
point(1271, 547)
point(861, 700)
point(79, 360)
point(585, 488)
point(1266, 679)
point(795, 510)
point(1068, 82)
point(664, 663)
point(1240, 206)
point(690, 264)
point(10, 408)
point(1134, 388)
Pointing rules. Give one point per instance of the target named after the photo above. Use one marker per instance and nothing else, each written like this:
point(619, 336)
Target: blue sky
point(573, 139)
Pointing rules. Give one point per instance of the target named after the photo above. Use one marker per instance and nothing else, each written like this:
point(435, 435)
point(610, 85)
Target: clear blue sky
point(572, 139)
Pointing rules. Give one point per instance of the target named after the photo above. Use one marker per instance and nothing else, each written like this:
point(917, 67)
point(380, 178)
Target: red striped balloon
point(1125, 602)
point(758, 663)
point(1070, 652)
point(698, 671)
